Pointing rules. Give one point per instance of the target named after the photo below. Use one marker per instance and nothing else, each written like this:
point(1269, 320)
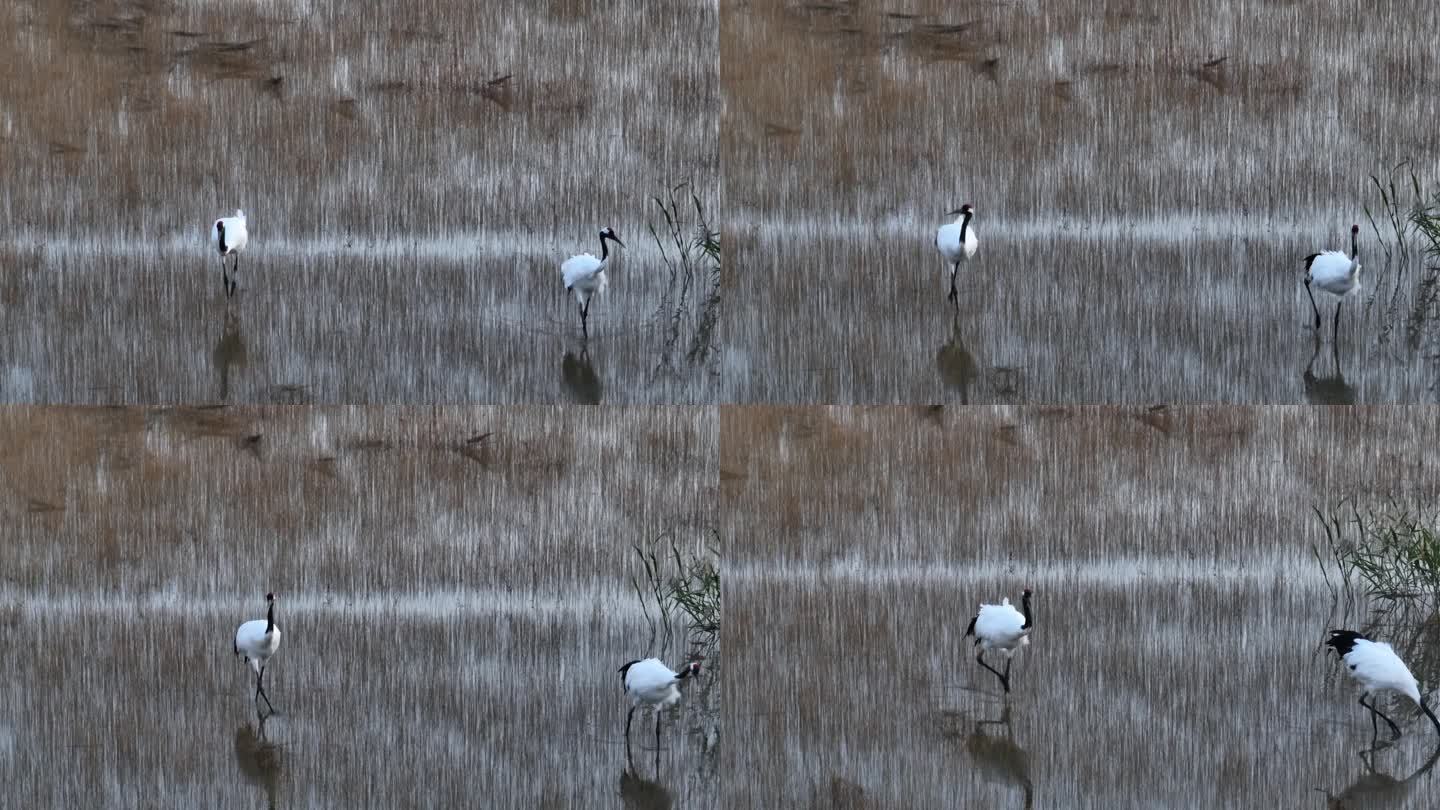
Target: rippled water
point(1176, 656)
point(1146, 185)
point(454, 608)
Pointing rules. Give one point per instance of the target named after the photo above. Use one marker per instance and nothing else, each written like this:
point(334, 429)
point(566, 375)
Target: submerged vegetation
point(680, 588)
point(690, 246)
point(1410, 218)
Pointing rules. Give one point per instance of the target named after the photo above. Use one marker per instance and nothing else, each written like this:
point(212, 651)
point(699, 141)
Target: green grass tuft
point(679, 588)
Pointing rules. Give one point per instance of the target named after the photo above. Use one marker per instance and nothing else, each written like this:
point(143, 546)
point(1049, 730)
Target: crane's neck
point(1425, 707)
point(604, 250)
point(1354, 246)
point(965, 225)
point(1027, 612)
point(270, 620)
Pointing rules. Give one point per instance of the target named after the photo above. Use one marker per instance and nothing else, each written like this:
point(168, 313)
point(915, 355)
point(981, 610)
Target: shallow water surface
point(1076, 316)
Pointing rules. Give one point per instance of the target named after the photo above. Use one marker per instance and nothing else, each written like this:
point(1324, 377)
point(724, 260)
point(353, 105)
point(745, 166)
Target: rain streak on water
point(412, 175)
point(453, 590)
point(1146, 182)
point(1175, 659)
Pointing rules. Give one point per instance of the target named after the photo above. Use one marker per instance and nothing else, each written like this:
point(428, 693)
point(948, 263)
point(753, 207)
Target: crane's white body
point(584, 275)
point(256, 644)
point(649, 683)
point(957, 242)
point(1335, 273)
point(228, 234)
point(1004, 629)
point(956, 250)
point(1001, 628)
point(1375, 667)
point(258, 640)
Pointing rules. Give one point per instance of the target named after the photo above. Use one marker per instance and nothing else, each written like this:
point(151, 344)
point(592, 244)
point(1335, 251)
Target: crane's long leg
point(1312, 304)
point(585, 319)
point(1008, 661)
point(628, 718)
point(1004, 679)
point(954, 294)
point(1335, 330)
point(657, 736)
point(1377, 713)
point(260, 690)
point(235, 275)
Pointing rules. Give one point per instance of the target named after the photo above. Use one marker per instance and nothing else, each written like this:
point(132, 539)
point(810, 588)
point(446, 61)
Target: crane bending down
point(1335, 273)
point(652, 684)
point(230, 237)
point(1001, 627)
point(1375, 667)
point(584, 275)
point(957, 243)
point(257, 640)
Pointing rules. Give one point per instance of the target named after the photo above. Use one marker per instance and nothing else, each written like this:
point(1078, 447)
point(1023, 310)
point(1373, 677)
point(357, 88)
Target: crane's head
point(609, 233)
point(1026, 592)
point(269, 597)
point(967, 208)
point(1354, 229)
point(693, 668)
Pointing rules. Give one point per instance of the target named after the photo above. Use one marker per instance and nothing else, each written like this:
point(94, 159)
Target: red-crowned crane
point(584, 275)
point(1375, 667)
point(1003, 628)
point(257, 640)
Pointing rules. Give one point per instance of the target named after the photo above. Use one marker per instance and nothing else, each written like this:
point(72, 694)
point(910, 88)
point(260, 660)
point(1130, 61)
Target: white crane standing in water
point(1001, 627)
point(229, 236)
point(652, 684)
point(585, 276)
point(257, 640)
point(957, 243)
point(1335, 273)
point(1375, 667)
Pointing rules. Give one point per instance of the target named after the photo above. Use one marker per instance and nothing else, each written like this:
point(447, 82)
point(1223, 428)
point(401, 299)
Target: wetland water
point(452, 612)
point(412, 177)
point(1176, 656)
point(1142, 217)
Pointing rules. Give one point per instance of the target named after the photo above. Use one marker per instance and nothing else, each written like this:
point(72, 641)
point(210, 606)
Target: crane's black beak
point(616, 240)
point(957, 212)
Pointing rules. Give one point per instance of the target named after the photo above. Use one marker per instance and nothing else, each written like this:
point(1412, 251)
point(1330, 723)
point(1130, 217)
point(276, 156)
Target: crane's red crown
point(1027, 592)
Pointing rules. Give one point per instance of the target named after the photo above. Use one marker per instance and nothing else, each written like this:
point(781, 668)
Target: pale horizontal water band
point(1294, 568)
point(616, 599)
